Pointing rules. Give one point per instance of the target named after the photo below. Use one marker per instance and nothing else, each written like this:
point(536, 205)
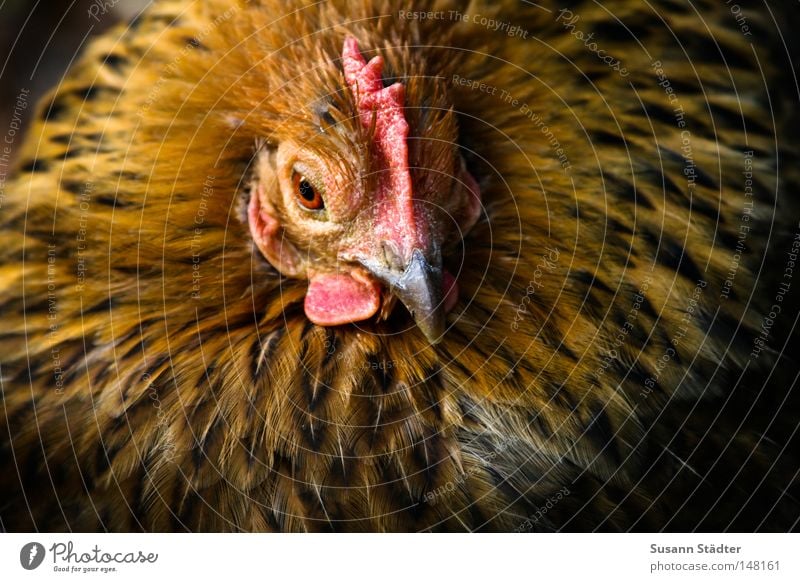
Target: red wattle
point(450, 291)
point(339, 298)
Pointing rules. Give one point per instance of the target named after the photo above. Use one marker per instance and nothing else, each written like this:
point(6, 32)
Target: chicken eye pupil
point(307, 195)
point(306, 190)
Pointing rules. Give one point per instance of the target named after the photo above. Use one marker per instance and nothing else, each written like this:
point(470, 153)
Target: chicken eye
point(307, 195)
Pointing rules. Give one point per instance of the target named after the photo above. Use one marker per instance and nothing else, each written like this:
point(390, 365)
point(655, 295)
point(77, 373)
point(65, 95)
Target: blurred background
point(40, 38)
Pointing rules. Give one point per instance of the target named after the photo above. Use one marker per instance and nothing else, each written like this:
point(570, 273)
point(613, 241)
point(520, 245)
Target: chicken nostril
point(392, 257)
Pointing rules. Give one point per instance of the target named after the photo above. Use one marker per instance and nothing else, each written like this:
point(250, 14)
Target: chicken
point(364, 267)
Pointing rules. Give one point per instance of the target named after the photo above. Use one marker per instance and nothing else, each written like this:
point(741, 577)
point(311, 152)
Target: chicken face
point(363, 226)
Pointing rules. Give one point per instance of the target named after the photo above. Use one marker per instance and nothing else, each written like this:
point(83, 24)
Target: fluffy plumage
point(159, 374)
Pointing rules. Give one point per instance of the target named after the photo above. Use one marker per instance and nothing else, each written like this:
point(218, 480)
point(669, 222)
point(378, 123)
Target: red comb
point(371, 96)
point(390, 147)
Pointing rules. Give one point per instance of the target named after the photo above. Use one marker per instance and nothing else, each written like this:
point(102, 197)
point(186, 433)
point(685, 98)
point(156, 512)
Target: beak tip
point(432, 327)
point(435, 340)
point(421, 291)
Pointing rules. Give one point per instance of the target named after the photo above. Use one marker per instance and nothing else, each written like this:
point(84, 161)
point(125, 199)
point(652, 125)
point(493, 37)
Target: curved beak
point(419, 288)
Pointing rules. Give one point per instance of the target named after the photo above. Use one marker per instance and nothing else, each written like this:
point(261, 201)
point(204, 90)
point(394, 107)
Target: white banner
point(400, 557)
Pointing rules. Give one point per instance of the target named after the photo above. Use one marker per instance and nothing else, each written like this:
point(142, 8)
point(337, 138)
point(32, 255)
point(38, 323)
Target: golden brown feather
point(158, 374)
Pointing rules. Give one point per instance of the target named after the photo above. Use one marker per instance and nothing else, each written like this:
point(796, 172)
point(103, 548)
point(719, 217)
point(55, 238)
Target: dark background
point(40, 38)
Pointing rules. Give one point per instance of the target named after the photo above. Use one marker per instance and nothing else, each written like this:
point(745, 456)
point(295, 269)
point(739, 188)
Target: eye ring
point(307, 195)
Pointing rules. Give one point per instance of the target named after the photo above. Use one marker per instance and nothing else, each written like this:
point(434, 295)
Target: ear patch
point(268, 236)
